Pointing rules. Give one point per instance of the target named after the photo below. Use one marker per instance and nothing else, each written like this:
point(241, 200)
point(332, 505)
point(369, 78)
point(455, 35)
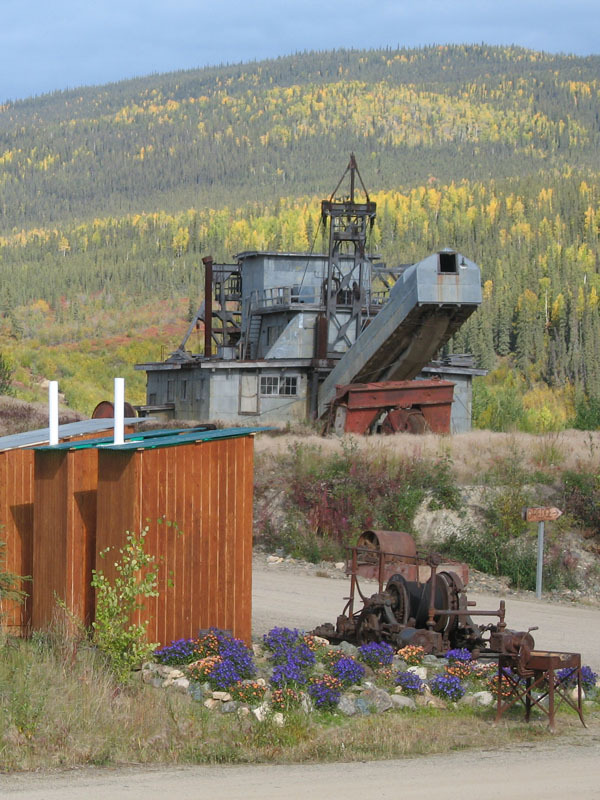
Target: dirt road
point(297, 597)
point(544, 773)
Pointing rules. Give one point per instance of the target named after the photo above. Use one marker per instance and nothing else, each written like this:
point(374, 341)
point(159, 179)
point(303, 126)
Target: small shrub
point(484, 550)
point(123, 642)
point(180, 651)
point(588, 677)
point(376, 654)
point(325, 692)
point(507, 687)
point(348, 671)
point(582, 498)
point(207, 643)
point(459, 654)
point(9, 582)
point(460, 669)
point(249, 692)
point(448, 687)
point(412, 655)
point(285, 698)
point(227, 661)
point(291, 654)
point(410, 683)
point(201, 670)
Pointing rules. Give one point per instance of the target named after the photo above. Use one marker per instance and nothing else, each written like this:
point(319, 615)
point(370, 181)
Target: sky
point(48, 45)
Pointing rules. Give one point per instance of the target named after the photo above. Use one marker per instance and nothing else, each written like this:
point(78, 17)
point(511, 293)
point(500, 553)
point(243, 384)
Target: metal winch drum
point(421, 601)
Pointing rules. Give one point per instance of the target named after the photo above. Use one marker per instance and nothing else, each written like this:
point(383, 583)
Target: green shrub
point(582, 498)
point(9, 582)
point(123, 642)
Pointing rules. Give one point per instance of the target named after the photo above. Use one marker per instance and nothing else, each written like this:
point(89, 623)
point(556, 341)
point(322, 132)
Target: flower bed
point(290, 670)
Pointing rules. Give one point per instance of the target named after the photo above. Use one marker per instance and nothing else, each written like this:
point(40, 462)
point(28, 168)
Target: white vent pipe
point(119, 407)
point(53, 412)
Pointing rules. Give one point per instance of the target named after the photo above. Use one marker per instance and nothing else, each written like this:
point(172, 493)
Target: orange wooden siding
point(16, 531)
point(196, 501)
point(64, 529)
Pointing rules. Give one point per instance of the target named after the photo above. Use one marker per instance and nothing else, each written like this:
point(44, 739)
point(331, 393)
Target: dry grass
point(472, 454)
point(17, 416)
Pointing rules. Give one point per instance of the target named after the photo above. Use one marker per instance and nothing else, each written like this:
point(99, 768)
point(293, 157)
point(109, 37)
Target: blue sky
point(57, 44)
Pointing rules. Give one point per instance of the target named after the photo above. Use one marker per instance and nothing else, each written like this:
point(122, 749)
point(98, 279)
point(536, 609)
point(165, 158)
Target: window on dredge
point(447, 262)
point(286, 385)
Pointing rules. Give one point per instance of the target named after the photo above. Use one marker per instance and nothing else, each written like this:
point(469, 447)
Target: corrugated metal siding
point(16, 519)
point(202, 494)
point(64, 529)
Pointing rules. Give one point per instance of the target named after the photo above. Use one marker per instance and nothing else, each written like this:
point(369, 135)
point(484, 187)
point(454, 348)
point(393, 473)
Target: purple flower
point(459, 654)
point(325, 692)
point(410, 682)
point(291, 655)
point(449, 687)
point(348, 670)
point(376, 654)
point(588, 677)
point(181, 651)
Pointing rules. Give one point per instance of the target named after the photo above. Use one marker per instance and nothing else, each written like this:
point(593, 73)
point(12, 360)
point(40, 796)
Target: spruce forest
point(110, 196)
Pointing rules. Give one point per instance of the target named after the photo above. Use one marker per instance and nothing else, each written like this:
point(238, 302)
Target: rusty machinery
point(421, 601)
point(391, 407)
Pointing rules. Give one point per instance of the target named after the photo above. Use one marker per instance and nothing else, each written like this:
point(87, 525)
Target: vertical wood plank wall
point(16, 531)
point(64, 530)
point(196, 501)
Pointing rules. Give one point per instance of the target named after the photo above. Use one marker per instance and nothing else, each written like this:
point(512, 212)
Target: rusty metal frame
point(538, 669)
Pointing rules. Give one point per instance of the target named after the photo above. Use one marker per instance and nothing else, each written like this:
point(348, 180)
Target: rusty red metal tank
point(393, 406)
point(106, 410)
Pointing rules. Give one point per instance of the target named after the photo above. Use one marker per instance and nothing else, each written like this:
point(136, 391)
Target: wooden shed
point(193, 493)
point(64, 525)
point(64, 533)
point(16, 507)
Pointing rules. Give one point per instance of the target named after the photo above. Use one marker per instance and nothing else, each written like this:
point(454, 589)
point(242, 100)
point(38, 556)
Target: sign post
point(540, 514)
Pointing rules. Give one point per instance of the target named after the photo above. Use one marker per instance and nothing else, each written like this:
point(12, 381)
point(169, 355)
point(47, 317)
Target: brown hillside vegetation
point(472, 454)
point(17, 416)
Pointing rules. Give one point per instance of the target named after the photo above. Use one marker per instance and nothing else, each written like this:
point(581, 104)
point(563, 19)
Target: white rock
point(573, 694)
point(420, 671)
point(321, 640)
point(402, 701)
point(243, 711)
point(306, 703)
point(278, 719)
point(340, 565)
point(484, 698)
point(224, 697)
point(181, 684)
point(260, 712)
point(274, 560)
point(212, 704)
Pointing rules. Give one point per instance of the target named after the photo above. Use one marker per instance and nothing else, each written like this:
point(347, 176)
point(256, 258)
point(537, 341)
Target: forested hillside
point(109, 196)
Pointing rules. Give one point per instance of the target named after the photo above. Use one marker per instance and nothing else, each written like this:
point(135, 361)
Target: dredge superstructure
point(284, 331)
